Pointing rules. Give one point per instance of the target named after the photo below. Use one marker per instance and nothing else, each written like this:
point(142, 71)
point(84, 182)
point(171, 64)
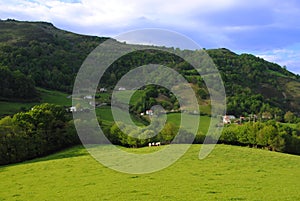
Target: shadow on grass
point(75, 151)
point(71, 152)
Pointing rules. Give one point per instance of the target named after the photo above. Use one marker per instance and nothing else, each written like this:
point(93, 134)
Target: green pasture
point(55, 97)
point(204, 123)
point(122, 96)
point(104, 113)
point(47, 96)
point(228, 173)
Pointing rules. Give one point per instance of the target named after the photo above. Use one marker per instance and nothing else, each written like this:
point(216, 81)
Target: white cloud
point(114, 13)
point(288, 56)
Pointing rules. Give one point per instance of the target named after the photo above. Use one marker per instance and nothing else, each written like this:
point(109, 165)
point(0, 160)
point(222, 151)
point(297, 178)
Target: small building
point(228, 118)
point(103, 90)
point(73, 109)
point(88, 97)
point(122, 89)
point(149, 112)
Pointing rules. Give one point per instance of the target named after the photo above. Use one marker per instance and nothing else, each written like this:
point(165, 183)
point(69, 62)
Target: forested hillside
point(50, 58)
point(16, 86)
point(253, 84)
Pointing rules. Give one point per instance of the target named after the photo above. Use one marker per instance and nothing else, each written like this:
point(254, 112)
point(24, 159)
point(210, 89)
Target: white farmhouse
point(88, 97)
point(73, 109)
point(227, 119)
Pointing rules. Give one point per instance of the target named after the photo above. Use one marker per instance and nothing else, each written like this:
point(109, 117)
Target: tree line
point(271, 135)
point(136, 137)
point(42, 130)
point(48, 128)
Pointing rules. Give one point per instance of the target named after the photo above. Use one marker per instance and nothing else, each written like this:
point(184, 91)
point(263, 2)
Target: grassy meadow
point(228, 173)
point(203, 125)
point(47, 96)
point(105, 114)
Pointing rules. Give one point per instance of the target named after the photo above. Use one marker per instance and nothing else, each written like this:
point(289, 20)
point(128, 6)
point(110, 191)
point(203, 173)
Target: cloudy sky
point(266, 28)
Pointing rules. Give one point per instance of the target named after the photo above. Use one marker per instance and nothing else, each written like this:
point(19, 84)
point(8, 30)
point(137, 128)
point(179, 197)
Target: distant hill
point(250, 80)
point(51, 57)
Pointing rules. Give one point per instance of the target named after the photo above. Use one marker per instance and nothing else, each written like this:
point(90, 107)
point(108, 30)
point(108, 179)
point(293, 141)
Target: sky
point(266, 28)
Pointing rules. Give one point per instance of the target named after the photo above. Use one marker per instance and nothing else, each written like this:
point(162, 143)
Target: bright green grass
point(228, 173)
point(203, 125)
point(55, 97)
point(105, 114)
point(123, 95)
point(47, 96)
point(103, 97)
point(205, 109)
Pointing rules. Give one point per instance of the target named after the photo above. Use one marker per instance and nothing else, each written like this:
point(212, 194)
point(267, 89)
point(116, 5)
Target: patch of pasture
point(228, 173)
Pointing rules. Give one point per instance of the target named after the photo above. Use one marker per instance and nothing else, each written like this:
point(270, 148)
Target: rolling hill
point(51, 57)
point(228, 173)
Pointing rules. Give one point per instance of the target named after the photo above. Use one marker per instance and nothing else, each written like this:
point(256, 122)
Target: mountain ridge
point(51, 58)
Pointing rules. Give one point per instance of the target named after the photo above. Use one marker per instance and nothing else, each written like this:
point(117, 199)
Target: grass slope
point(229, 173)
point(47, 96)
point(105, 114)
point(189, 125)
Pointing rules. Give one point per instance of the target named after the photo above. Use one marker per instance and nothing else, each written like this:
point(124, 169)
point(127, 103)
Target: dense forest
point(50, 58)
point(16, 86)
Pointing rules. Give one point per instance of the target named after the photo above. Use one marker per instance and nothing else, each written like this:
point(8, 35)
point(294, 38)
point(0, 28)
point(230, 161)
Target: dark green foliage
point(139, 137)
point(271, 135)
point(50, 56)
point(254, 85)
point(203, 93)
point(16, 86)
point(42, 130)
point(290, 117)
point(132, 138)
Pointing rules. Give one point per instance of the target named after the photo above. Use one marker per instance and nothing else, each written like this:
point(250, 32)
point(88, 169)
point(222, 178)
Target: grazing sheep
point(154, 144)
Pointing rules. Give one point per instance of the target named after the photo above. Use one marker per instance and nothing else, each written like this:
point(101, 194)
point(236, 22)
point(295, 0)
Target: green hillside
point(50, 58)
point(228, 173)
point(252, 83)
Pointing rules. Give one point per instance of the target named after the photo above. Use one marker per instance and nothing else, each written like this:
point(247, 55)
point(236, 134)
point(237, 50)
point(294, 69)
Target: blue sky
point(267, 28)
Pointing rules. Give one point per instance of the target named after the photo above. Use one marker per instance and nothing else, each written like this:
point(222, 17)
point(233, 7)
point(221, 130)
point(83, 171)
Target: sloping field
point(228, 173)
point(47, 96)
